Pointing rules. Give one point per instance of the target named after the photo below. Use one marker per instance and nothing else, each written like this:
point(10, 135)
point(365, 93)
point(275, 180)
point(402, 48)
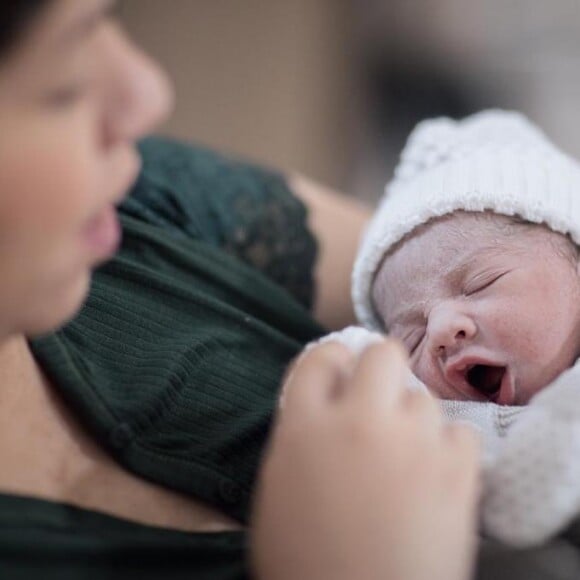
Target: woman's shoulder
point(208, 195)
point(244, 209)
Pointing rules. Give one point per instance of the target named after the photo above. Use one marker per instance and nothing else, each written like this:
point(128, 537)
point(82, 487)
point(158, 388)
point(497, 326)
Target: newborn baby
point(488, 306)
point(471, 260)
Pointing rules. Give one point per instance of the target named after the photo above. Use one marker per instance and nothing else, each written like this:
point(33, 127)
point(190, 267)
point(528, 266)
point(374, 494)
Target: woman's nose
point(138, 94)
point(448, 329)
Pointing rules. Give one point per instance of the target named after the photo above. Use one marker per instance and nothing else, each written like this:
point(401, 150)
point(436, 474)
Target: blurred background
point(331, 88)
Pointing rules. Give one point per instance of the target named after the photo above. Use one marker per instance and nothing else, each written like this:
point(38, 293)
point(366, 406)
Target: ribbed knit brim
point(495, 160)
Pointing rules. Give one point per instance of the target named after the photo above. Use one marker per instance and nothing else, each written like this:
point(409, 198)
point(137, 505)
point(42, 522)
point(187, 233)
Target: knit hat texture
point(492, 161)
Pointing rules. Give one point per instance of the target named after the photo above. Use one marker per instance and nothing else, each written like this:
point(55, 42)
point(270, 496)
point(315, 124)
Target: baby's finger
point(314, 378)
point(381, 375)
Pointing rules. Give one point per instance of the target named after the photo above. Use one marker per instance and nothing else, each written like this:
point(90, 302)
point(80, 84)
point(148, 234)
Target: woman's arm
point(337, 222)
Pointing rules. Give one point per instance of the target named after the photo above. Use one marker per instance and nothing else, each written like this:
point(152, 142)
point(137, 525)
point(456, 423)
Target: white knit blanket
point(531, 459)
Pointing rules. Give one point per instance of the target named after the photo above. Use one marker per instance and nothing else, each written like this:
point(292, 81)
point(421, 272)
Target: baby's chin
point(60, 305)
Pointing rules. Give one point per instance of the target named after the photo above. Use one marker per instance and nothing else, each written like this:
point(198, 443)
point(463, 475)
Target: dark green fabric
point(242, 209)
point(48, 541)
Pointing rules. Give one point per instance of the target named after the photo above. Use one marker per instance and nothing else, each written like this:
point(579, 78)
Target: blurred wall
point(455, 57)
point(268, 79)
point(332, 88)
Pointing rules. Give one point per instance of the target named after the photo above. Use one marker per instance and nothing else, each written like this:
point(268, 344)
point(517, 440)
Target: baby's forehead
point(457, 240)
point(463, 225)
point(461, 231)
point(456, 235)
point(447, 246)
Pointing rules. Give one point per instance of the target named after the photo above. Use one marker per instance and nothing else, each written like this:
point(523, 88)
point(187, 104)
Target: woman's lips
point(103, 233)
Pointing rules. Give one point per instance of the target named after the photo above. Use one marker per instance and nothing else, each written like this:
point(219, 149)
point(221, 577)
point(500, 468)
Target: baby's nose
point(448, 329)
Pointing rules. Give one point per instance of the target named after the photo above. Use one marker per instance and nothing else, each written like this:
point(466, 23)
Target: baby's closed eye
point(481, 282)
point(414, 339)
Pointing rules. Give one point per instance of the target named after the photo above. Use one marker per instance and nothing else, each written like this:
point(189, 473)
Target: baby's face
point(488, 310)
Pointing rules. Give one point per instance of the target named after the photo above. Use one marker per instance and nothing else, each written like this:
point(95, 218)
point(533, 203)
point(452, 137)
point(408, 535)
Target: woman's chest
point(45, 452)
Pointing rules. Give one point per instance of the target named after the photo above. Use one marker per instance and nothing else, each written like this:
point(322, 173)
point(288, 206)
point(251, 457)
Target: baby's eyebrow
point(456, 274)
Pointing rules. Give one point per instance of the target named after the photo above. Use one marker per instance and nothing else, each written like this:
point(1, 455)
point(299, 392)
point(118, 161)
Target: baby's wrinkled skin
point(489, 309)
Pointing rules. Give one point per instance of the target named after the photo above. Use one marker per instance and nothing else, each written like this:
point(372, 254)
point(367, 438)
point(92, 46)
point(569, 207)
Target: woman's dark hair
point(16, 16)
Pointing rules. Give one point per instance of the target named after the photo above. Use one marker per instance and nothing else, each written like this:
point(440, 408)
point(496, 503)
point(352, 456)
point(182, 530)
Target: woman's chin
point(53, 314)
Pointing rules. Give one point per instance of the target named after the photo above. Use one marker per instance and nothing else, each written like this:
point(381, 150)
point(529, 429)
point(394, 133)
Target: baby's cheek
point(516, 327)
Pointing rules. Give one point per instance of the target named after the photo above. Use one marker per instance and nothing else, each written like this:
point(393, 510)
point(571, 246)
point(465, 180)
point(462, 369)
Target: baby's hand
point(491, 420)
point(357, 339)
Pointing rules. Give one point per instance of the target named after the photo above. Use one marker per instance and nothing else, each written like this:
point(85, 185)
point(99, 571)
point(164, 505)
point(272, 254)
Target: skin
point(74, 97)
point(468, 287)
point(338, 222)
point(72, 102)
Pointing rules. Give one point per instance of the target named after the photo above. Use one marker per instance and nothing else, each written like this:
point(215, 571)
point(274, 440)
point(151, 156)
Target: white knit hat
point(494, 160)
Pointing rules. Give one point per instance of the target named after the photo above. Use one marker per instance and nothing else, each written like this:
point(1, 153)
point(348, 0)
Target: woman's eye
point(66, 96)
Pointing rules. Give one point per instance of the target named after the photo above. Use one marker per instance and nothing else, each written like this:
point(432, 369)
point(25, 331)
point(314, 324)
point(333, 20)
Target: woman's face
point(75, 94)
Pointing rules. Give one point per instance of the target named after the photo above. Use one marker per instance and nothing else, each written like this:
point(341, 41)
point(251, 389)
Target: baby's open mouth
point(486, 379)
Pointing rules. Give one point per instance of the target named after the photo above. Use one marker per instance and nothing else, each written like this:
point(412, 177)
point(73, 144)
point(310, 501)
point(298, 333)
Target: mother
point(136, 429)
